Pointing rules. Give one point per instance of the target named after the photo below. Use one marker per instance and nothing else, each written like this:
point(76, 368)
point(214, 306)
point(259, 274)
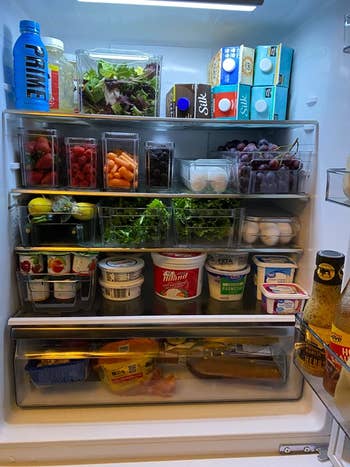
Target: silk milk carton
point(232, 65)
point(189, 101)
point(231, 102)
point(273, 64)
point(268, 103)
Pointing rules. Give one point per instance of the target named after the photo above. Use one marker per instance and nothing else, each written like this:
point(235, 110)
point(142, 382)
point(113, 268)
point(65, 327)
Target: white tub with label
point(125, 290)
point(283, 299)
point(226, 285)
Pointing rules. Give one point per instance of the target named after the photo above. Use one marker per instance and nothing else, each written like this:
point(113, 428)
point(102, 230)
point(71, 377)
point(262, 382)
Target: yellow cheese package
point(127, 364)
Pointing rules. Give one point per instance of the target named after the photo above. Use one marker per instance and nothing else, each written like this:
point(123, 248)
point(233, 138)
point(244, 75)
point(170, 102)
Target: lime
point(84, 211)
point(39, 206)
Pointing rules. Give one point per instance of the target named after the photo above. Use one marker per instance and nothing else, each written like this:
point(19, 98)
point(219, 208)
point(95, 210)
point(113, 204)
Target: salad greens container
point(118, 82)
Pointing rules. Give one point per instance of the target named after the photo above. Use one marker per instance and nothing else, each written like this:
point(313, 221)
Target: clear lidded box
point(81, 155)
point(39, 158)
point(121, 165)
point(270, 231)
point(159, 164)
point(207, 175)
point(118, 82)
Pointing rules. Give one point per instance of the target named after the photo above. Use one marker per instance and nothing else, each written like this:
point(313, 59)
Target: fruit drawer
point(56, 292)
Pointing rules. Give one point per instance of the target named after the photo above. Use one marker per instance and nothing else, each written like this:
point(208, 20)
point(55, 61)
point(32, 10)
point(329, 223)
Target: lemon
point(39, 206)
point(84, 211)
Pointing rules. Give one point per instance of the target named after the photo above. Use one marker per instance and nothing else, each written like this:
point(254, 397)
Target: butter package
point(273, 64)
point(268, 103)
point(232, 65)
point(231, 102)
point(189, 101)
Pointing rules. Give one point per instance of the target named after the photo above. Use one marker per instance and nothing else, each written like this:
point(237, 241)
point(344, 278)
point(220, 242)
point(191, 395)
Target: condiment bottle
point(30, 69)
point(61, 74)
point(320, 309)
point(339, 341)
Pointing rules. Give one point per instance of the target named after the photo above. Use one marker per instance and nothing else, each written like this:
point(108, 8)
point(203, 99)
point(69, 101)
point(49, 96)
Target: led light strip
point(180, 4)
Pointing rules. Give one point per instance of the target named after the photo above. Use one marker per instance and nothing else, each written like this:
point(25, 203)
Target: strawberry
point(45, 162)
point(48, 179)
point(30, 146)
point(82, 160)
point(34, 177)
point(87, 168)
point(25, 266)
point(77, 151)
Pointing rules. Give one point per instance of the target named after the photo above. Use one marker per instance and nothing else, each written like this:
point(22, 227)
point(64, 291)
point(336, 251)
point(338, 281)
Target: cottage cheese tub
point(273, 270)
point(126, 290)
point(226, 285)
point(283, 299)
point(121, 268)
point(178, 276)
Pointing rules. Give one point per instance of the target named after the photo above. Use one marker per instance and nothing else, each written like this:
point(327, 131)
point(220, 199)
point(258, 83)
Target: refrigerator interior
point(319, 91)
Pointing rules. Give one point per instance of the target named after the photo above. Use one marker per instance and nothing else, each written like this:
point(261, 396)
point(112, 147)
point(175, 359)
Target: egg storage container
point(118, 82)
point(121, 268)
point(81, 158)
point(283, 299)
point(270, 230)
point(272, 269)
point(39, 158)
point(120, 161)
point(159, 164)
point(207, 175)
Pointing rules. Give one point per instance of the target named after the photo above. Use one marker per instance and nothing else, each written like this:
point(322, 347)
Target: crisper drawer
point(241, 364)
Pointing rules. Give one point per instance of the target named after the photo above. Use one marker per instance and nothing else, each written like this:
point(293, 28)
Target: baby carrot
point(126, 174)
point(119, 183)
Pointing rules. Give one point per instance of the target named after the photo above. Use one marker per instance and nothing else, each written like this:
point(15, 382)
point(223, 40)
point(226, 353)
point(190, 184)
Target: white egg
point(198, 178)
point(218, 179)
point(269, 234)
point(286, 232)
point(250, 232)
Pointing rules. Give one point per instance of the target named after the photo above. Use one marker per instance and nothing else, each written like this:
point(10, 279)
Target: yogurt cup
point(38, 290)
point(31, 262)
point(272, 270)
point(178, 276)
point(121, 268)
point(84, 263)
point(283, 299)
point(58, 263)
point(226, 285)
point(65, 290)
point(125, 290)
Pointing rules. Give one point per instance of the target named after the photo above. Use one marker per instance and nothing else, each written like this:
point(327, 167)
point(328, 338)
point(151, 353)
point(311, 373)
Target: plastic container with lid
point(226, 285)
point(269, 230)
point(228, 261)
point(124, 290)
point(178, 276)
point(272, 269)
point(283, 299)
point(121, 268)
point(72, 60)
point(206, 175)
point(61, 74)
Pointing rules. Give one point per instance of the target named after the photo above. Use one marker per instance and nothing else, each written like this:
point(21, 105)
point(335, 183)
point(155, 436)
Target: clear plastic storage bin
point(55, 228)
point(81, 158)
point(121, 164)
point(47, 292)
point(207, 175)
point(39, 158)
point(118, 82)
point(159, 164)
point(269, 231)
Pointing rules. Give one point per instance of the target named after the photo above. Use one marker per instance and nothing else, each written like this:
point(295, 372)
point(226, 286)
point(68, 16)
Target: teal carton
point(273, 65)
point(232, 65)
point(268, 103)
point(231, 102)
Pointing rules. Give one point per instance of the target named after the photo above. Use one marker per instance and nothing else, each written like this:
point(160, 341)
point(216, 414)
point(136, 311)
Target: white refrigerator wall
point(321, 74)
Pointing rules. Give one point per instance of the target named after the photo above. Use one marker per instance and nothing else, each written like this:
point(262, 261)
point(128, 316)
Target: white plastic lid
point(283, 291)
point(224, 104)
point(265, 65)
point(123, 284)
point(178, 259)
point(274, 261)
point(228, 65)
point(261, 106)
point(53, 42)
point(220, 272)
point(121, 264)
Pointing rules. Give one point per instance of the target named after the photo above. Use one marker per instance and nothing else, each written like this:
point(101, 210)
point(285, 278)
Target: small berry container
point(81, 154)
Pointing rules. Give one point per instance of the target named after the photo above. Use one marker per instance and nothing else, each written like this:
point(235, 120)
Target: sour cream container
point(283, 299)
point(178, 276)
point(226, 285)
point(272, 270)
point(121, 268)
point(125, 290)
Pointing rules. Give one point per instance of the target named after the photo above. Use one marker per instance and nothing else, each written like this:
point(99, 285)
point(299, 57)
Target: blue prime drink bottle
point(30, 69)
